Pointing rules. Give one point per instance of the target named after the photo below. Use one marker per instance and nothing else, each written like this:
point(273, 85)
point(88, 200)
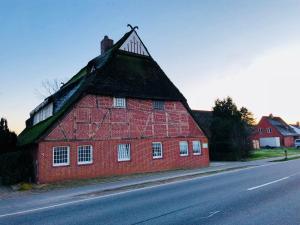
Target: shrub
point(25, 187)
point(16, 167)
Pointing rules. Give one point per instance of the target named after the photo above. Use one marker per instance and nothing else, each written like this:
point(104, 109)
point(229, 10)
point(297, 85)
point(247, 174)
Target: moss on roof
point(30, 134)
point(77, 77)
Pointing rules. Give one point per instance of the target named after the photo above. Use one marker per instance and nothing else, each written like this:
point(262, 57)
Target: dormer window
point(119, 102)
point(43, 113)
point(160, 105)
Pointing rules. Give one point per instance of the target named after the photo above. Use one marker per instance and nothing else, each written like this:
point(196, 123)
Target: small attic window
point(160, 105)
point(119, 102)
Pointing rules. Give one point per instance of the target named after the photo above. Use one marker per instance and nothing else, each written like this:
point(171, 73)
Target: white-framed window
point(85, 154)
point(269, 130)
point(184, 149)
point(43, 113)
point(160, 105)
point(196, 147)
point(120, 102)
point(61, 156)
point(260, 130)
point(156, 150)
point(123, 152)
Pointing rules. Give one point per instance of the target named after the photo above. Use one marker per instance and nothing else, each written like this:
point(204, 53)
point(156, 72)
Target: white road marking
point(128, 191)
point(212, 214)
point(272, 182)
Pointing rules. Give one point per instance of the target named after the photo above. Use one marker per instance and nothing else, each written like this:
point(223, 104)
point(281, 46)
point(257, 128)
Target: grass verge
point(270, 153)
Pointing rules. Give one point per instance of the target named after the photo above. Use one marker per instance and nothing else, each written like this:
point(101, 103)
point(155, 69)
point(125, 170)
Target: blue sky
point(209, 49)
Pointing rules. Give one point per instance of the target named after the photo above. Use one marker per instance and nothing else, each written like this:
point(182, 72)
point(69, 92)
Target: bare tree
point(48, 87)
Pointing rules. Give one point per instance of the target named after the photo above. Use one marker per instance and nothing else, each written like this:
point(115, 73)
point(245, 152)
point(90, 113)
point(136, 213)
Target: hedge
point(16, 167)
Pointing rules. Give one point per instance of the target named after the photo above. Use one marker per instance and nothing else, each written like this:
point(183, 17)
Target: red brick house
point(273, 132)
point(120, 114)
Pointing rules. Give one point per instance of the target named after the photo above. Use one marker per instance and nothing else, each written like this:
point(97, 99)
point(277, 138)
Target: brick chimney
point(106, 44)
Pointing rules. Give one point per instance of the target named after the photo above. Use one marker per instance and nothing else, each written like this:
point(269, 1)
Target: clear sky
point(249, 50)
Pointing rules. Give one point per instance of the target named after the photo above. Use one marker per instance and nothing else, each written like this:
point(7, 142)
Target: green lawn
point(269, 153)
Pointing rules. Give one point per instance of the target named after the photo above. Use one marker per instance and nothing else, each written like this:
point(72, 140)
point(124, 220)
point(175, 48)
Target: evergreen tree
point(8, 139)
point(230, 131)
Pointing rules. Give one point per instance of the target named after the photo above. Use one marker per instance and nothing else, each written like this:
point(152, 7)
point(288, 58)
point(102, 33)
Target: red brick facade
point(93, 121)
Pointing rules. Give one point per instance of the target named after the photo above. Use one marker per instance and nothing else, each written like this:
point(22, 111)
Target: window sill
point(184, 155)
point(157, 157)
point(60, 165)
point(84, 163)
point(123, 160)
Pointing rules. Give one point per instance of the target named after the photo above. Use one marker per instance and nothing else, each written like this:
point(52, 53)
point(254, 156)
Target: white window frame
point(187, 148)
point(198, 145)
point(122, 159)
point(68, 156)
point(79, 148)
point(161, 150)
point(269, 130)
point(260, 130)
point(119, 103)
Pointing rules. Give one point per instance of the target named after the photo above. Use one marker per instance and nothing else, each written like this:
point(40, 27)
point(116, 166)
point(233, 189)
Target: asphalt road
point(267, 194)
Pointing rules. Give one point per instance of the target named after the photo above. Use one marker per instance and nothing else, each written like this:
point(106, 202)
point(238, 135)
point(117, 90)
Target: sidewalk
point(31, 199)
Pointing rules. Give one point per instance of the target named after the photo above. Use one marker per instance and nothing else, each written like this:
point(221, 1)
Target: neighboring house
point(120, 114)
point(204, 120)
point(273, 132)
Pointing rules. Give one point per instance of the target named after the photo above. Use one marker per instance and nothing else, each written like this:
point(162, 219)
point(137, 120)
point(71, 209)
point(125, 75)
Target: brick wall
point(289, 141)
point(105, 159)
point(94, 121)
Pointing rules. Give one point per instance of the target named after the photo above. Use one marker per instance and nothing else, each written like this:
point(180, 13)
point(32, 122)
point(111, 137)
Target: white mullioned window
point(184, 149)
point(61, 156)
point(260, 130)
point(196, 147)
point(43, 113)
point(120, 102)
point(269, 130)
point(156, 150)
point(85, 154)
point(123, 152)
